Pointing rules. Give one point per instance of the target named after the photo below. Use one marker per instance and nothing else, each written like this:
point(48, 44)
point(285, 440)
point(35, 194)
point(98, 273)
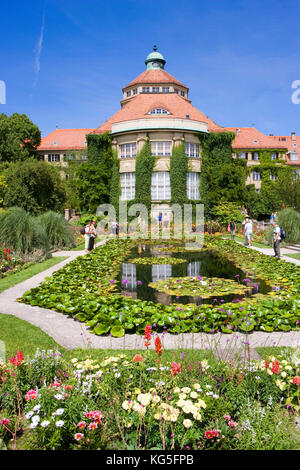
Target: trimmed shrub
point(289, 220)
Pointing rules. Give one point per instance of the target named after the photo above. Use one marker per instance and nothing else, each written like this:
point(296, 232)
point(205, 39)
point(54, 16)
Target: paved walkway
point(72, 334)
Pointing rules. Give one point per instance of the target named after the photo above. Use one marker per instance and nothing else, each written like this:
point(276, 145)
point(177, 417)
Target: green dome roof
point(155, 60)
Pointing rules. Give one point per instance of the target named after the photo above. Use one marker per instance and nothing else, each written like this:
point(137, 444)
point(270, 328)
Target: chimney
point(238, 131)
point(293, 134)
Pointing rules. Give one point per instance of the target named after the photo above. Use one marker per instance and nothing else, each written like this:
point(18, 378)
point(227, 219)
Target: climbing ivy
point(115, 187)
point(222, 177)
point(99, 148)
point(179, 167)
point(144, 166)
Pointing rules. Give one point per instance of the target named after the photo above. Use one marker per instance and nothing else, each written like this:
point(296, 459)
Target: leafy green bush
point(289, 220)
point(59, 233)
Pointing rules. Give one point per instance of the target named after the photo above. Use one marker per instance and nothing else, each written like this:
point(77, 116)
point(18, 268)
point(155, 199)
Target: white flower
point(37, 408)
point(126, 405)
point(186, 390)
point(117, 375)
point(33, 425)
point(29, 414)
point(45, 423)
point(60, 411)
point(58, 396)
point(35, 419)
point(187, 423)
point(193, 394)
point(59, 423)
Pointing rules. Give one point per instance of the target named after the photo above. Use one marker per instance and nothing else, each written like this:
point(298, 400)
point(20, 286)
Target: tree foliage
point(99, 148)
point(19, 137)
point(33, 185)
point(222, 177)
point(93, 183)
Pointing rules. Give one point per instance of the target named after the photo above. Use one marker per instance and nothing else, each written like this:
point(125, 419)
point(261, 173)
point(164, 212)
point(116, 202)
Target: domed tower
point(155, 60)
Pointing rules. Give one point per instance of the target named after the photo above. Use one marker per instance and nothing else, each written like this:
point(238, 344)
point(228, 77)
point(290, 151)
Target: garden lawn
point(258, 245)
point(296, 256)
point(13, 279)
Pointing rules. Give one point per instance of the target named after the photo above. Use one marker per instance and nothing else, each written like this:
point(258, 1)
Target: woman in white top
point(87, 236)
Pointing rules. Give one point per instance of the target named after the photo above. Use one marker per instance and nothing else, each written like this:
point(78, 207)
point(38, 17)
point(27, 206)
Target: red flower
point(296, 380)
point(275, 367)
point(267, 364)
point(211, 434)
point(17, 359)
point(175, 368)
point(158, 346)
point(138, 358)
point(147, 341)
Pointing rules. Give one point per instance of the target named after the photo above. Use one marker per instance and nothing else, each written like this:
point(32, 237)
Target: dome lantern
point(155, 60)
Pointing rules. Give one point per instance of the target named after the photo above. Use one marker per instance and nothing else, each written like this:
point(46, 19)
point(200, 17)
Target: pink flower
point(175, 368)
point(227, 417)
point(78, 436)
point(68, 387)
point(81, 425)
point(232, 424)
point(5, 422)
point(93, 426)
point(30, 395)
point(296, 380)
point(89, 414)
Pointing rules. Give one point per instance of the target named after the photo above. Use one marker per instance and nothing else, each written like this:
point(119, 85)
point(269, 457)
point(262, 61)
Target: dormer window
point(159, 111)
point(176, 90)
point(128, 93)
point(182, 93)
point(146, 89)
point(155, 89)
point(165, 89)
point(134, 91)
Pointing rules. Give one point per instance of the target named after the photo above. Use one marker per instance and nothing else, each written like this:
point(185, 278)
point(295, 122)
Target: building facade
point(156, 105)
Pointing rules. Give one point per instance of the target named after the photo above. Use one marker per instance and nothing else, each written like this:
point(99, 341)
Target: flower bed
point(142, 401)
point(85, 289)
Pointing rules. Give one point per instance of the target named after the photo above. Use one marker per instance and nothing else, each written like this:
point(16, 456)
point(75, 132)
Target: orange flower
point(138, 358)
point(158, 346)
point(296, 380)
point(147, 341)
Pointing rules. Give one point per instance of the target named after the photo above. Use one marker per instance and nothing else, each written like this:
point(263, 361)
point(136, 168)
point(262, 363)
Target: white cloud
point(37, 63)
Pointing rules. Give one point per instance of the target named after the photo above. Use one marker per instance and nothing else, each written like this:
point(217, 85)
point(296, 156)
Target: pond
point(134, 278)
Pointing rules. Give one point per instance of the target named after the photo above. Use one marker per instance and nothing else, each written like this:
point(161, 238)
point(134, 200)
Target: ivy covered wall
point(179, 167)
point(222, 177)
point(144, 166)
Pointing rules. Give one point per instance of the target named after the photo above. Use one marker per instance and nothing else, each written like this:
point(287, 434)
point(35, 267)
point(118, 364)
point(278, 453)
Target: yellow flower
point(197, 416)
point(176, 390)
point(74, 360)
point(201, 404)
point(157, 416)
point(186, 390)
point(144, 398)
point(182, 396)
point(156, 399)
point(194, 395)
point(180, 403)
point(126, 405)
point(196, 386)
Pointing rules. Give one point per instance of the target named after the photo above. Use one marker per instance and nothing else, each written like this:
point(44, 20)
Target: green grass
point(13, 279)
point(82, 245)
point(18, 335)
point(296, 256)
point(276, 351)
point(257, 244)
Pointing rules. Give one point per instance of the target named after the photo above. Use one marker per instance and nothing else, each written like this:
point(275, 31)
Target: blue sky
point(65, 62)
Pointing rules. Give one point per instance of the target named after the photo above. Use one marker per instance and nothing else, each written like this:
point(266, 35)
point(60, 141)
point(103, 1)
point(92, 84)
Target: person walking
point(232, 227)
point(87, 236)
point(276, 240)
point(93, 235)
point(248, 232)
point(160, 220)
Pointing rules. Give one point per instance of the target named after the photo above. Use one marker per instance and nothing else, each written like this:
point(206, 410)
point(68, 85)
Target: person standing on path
point(232, 227)
point(248, 232)
point(276, 240)
point(87, 236)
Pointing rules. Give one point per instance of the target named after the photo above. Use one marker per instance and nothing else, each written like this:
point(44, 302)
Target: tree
point(93, 186)
point(33, 185)
point(19, 137)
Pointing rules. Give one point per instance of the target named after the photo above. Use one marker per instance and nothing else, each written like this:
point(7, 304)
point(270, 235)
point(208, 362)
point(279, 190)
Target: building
point(157, 105)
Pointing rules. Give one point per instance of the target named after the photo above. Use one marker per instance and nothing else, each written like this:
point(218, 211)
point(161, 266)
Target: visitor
point(160, 220)
point(232, 228)
point(248, 232)
point(87, 236)
point(272, 217)
point(276, 240)
point(93, 233)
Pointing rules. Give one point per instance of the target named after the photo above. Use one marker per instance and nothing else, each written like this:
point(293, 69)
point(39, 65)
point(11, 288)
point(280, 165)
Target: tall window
point(255, 156)
point(256, 176)
point(274, 156)
point(182, 93)
point(272, 177)
point(161, 148)
point(128, 93)
point(192, 150)
point(134, 91)
point(159, 111)
point(128, 150)
point(192, 185)
point(294, 157)
point(54, 157)
point(127, 186)
point(176, 90)
point(160, 186)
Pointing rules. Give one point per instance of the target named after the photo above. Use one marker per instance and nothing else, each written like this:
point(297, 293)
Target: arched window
point(159, 111)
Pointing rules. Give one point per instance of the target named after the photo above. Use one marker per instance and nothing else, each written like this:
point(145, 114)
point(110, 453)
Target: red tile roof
point(141, 104)
point(290, 144)
point(251, 138)
point(154, 76)
point(65, 139)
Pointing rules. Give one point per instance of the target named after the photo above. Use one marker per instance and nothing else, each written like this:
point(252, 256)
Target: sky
point(64, 62)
